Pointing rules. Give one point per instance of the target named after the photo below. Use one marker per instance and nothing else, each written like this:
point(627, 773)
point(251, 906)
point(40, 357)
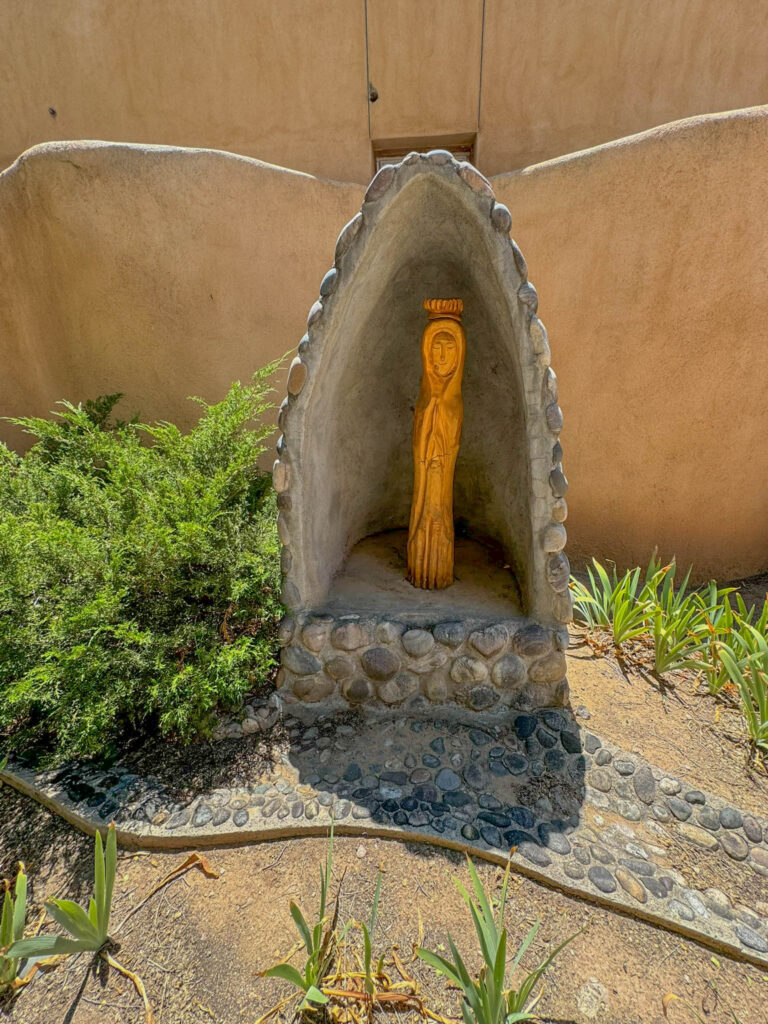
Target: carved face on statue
point(444, 354)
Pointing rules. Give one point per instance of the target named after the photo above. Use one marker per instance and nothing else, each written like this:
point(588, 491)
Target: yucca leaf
point(6, 921)
point(303, 928)
point(98, 882)
point(70, 915)
point(47, 945)
point(440, 964)
point(314, 995)
point(525, 944)
point(20, 904)
point(288, 973)
point(110, 872)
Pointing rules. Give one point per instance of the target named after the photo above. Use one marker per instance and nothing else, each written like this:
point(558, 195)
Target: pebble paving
point(582, 814)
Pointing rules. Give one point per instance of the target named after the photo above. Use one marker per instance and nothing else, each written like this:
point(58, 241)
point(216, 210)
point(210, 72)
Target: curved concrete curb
point(591, 853)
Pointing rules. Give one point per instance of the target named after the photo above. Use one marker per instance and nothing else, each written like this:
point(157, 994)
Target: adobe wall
point(288, 82)
point(164, 273)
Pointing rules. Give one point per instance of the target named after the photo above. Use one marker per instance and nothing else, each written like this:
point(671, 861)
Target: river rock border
point(584, 816)
point(353, 660)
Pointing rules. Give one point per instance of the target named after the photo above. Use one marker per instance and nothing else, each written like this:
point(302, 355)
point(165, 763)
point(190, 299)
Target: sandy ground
point(199, 943)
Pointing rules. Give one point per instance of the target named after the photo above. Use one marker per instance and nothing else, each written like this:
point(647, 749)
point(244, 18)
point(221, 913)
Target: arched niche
point(428, 228)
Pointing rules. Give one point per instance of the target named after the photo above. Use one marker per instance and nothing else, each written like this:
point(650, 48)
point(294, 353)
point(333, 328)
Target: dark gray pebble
point(695, 796)
point(752, 830)
point(525, 726)
point(522, 816)
point(709, 819)
point(644, 785)
point(546, 738)
point(680, 809)
point(730, 818)
point(480, 739)
point(602, 878)
point(751, 939)
point(624, 767)
point(202, 815)
point(492, 836)
point(571, 741)
point(591, 743)
point(240, 817)
point(603, 756)
point(470, 833)
point(655, 886)
point(515, 764)
point(430, 761)
point(535, 854)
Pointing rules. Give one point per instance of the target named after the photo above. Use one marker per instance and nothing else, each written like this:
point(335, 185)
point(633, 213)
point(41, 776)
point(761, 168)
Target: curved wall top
point(429, 226)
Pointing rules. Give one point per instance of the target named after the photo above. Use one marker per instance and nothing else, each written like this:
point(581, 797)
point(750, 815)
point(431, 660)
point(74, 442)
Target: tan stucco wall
point(651, 260)
point(164, 273)
point(287, 82)
point(561, 75)
point(160, 273)
point(280, 81)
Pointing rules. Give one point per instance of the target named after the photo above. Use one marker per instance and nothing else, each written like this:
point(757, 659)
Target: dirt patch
point(199, 943)
point(671, 723)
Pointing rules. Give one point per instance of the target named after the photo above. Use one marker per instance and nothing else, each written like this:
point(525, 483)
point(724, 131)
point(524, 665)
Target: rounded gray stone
point(574, 870)
point(600, 778)
point(328, 284)
point(734, 845)
point(602, 878)
point(453, 634)
point(417, 642)
point(624, 767)
point(709, 819)
point(300, 661)
point(731, 818)
point(509, 672)
point(380, 663)
point(501, 218)
point(752, 829)
point(548, 670)
point(202, 815)
point(680, 809)
point(356, 690)
point(644, 785)
point(348, 636)
point(695, 796)
point(603, 757)
point(558, 482)
point(479, 698)
point(532, 642)
point(681, 910)
point(467, 670)
point(628, 810)
point(670, 787)
point(397, 689)
point(750, 938)
point(447, 780)
point(490, 640)
point(340, 667)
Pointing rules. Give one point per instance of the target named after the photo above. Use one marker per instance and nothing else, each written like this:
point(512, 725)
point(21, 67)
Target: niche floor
point(372, 581)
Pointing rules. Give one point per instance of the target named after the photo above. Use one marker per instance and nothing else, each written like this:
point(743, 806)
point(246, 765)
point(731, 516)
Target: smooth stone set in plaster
point(311, 522)
point(353, 660)
point(583, 815)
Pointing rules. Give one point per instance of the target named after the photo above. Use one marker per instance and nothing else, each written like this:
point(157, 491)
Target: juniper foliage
point(139, 579)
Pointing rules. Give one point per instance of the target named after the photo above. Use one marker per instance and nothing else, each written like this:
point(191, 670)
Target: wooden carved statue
point(436, 434)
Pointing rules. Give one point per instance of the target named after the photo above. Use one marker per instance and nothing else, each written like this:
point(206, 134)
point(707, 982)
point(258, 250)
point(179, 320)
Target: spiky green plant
point(612, 602)
point(367, 930)
point(749, 674)
point(12, 927)
point(485, 997)
point(88, 932)
point(320, 944)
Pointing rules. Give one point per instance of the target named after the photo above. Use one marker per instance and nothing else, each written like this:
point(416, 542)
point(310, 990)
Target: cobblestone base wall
point(366, 660)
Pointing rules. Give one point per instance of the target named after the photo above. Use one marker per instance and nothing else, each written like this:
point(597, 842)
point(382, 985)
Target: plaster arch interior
point(356, 453)
point(429, 228)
